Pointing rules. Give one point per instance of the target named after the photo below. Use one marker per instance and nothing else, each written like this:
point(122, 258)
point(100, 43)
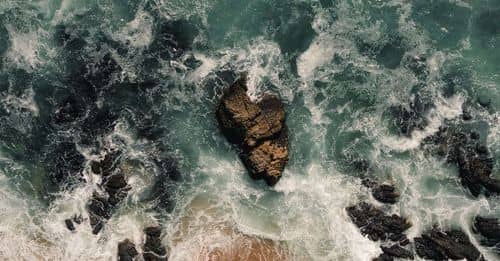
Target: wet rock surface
point(442, 245)
point(114, 190)
point(489, 228)
point(259, 129)
point(465, 150)
point(127, 251)
point(153, 248)
point(410, 118)
point(384, 193)
point(69, 224)
point(394, 251)
point(374, 223)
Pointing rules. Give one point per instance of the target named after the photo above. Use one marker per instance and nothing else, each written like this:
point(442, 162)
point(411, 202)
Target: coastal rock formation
point(410, 118)
point(489, 228)
point(394, 251)
point(115, 189)
point(127, 251)
point(384, 193)
point(259, 130)
point(472, 158)
point(153, 248)
point(376, 224)
point(443, 245)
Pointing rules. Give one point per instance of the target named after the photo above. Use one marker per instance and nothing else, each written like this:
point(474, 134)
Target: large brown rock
point(258, 128)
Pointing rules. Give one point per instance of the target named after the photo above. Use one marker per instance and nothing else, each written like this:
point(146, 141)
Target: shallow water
point(337, 65)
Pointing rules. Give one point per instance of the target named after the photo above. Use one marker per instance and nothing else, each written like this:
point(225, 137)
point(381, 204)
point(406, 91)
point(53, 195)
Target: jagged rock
point(442, 245)
point(69, 224)
point(408, 119)
point(153, 248)
point(106, 165)
point(472, 158)
point(127, 251)
point(489, 228)
point(114, 183)
point(258, 128)
point(99, 210)
point(376, 224)
point(397, 251)
point(386, 193)
point(77, 219)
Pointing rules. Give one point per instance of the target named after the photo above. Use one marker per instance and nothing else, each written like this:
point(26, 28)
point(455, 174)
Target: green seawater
point(339, 66)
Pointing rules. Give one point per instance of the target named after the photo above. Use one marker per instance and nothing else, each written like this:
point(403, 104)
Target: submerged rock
point(409, 119)
point(259, 130)
point(376, 224)
point(127, 251)
point(114, 184)
point(489, 228)
point(384, 193)
point(442, 245)
point(472, 158)
point(153, 248)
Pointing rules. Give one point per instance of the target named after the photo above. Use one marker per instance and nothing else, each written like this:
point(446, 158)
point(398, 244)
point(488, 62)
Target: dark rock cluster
point(472, 158)
point(258, 128)
point(127, 251)
point(384, 193)
point(489, 228)
point(410, 118)
point(374, 223)
point(153, 250)
point(114, 190)
point(442, 245)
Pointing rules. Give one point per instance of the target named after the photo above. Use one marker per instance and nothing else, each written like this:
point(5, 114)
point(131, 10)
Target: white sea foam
point(138, 32)
point(24, 48)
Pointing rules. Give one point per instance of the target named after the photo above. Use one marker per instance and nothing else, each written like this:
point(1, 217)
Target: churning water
point(338, 65)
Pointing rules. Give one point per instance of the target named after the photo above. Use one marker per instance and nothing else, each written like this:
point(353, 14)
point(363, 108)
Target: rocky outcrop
point(442, 245)
point(384, 193)
point(374, 223)
point(114, 190)
point(410, 118)
point(153, 248)
point(258, 128)
point(394, 251)
point(472, 158)
point(489, 228)
point(127, 251)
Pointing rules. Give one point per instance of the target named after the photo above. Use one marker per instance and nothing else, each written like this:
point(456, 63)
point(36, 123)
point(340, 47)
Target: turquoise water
point(338, 66)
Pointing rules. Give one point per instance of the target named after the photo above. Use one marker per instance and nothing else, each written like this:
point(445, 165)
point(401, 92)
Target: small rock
point(466, 116)
point(69, 224)
point(153, 248)
point(386, 194)
point(97, 227)
point(127, 251)
point(489, 228)
point(78, 219)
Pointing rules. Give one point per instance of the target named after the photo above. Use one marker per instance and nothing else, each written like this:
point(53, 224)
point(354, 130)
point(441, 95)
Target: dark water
point(81, 78)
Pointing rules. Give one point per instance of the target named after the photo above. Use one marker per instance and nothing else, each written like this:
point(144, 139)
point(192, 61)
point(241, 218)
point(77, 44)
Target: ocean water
point(338, 66)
